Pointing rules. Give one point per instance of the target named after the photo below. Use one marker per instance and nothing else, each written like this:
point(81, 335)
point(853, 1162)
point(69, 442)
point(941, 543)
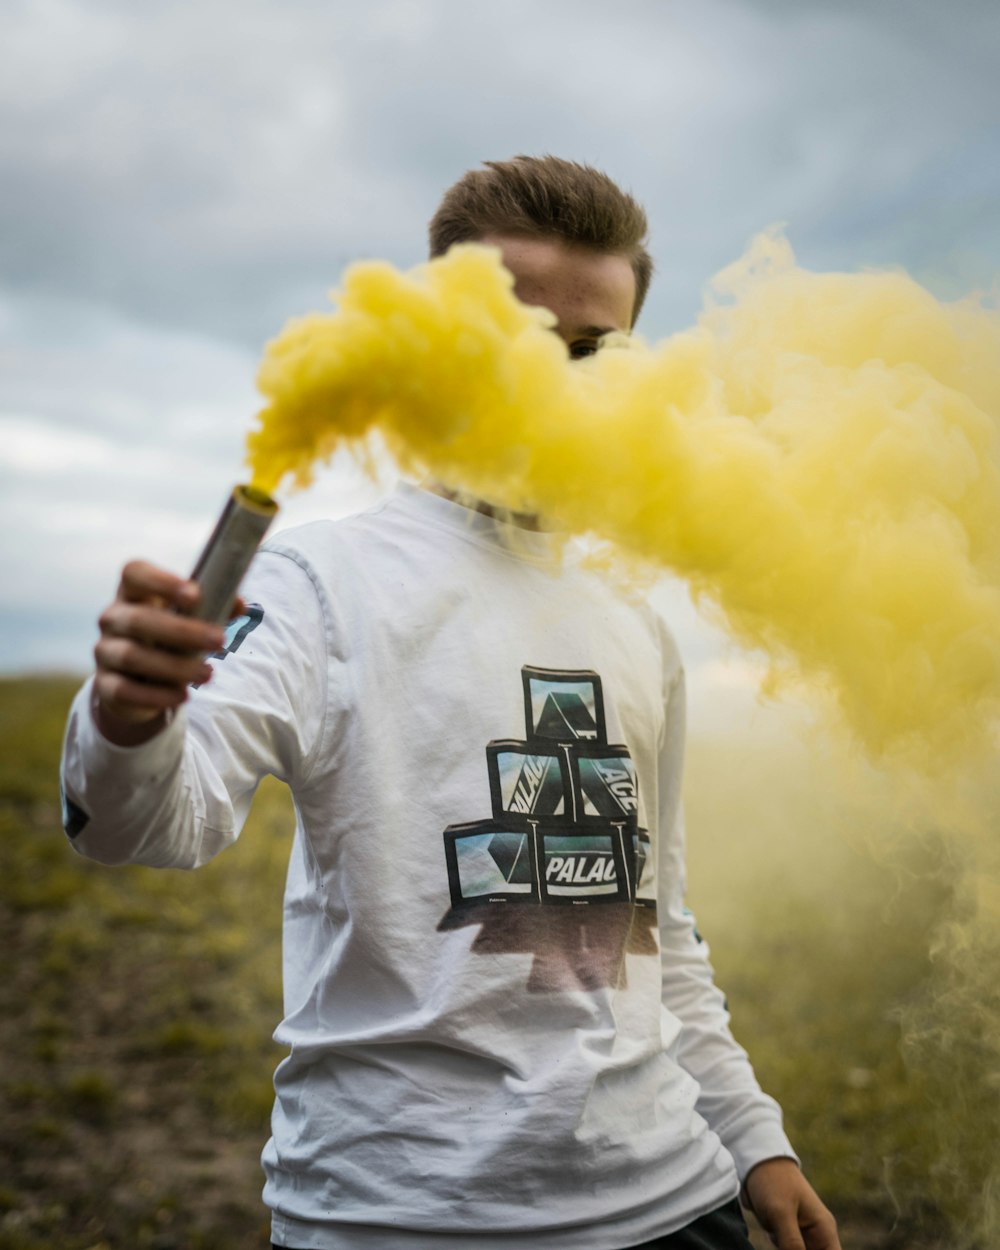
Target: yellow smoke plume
point(818, 457)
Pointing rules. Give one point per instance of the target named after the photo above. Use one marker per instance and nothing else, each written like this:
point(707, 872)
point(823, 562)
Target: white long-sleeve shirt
point(503, 1025)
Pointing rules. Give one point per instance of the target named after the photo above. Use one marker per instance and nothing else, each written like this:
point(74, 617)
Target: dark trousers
point(723, 1229)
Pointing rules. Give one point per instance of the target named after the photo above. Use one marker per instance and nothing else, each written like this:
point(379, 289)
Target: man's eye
point(583, 347)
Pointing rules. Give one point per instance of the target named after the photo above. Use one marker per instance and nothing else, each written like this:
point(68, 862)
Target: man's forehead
point(596, 288)
point(548, 255)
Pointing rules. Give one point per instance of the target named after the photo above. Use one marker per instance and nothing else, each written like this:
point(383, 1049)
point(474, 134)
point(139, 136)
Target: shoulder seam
point(302, 562)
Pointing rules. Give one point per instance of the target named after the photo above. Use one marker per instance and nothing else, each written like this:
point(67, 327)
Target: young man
point(502, 1021)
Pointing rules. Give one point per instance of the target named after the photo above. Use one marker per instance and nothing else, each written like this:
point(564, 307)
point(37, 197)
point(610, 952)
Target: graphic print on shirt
point(238, 629)
point(236, 634)
point(566, 832)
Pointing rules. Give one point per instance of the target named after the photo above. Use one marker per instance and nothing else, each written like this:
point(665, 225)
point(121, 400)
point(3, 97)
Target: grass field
point(137, 1006)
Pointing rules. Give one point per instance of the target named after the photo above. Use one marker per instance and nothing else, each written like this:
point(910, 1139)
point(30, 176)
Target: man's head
point(574, 241)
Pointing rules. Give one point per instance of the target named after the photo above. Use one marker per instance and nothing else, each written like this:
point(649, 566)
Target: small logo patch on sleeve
point(238, 630)
point(74, 818)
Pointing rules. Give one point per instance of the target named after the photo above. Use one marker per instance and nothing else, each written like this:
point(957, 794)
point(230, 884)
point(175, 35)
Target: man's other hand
point(148, 653)
point(788, 1207)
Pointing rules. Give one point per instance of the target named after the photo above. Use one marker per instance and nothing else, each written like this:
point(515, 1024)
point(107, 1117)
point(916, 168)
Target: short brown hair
point(546, 196)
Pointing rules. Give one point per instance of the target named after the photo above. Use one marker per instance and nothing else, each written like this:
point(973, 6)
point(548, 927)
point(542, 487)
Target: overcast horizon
point(179, 180)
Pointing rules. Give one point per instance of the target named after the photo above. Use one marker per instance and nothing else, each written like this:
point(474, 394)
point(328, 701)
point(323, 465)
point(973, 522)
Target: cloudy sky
point(176, 179)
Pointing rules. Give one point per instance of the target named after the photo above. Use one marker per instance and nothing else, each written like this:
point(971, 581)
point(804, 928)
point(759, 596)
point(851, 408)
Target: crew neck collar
point(476, 526)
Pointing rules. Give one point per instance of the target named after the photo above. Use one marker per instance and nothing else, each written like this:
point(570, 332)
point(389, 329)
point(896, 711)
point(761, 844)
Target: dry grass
point(138, 1006)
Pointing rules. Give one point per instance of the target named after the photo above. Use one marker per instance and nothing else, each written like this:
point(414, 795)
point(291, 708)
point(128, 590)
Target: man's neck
point(523, 520)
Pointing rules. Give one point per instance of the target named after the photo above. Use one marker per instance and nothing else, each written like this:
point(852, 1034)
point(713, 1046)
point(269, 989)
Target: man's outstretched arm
point(155, 772)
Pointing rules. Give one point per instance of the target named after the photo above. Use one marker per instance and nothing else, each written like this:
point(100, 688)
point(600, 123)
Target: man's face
point(591, 293)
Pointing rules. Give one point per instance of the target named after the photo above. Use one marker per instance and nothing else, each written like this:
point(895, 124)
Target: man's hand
point(148, 653)
point(788, 1207)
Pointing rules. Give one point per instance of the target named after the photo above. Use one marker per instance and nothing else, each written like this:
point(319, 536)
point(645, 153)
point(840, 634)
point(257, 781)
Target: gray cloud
point(179, 179)
point(213, 167)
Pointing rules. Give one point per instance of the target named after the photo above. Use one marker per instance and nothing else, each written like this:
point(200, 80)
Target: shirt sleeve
point(747, 1120)
point(179, 799)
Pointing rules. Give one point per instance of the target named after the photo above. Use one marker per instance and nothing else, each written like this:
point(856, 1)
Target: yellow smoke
point(857, 937)
point(818, 457)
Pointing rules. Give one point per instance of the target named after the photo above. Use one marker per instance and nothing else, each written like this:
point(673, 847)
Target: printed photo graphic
point(642, 883)
point(527, 782)
point(577, 868)
point(563, 706)
point(563, 838)
point(488, 863)
point(238, 629)
point(604, 783)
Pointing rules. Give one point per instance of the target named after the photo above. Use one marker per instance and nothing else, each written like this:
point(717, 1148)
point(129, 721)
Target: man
point(502, 1025)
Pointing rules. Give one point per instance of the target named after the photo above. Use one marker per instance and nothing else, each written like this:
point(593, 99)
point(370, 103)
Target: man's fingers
point(788, 1207)
point(143, 582)
point(147, 657)
point(784, 1232)
point(123, 655)
point(149, 652)
point(821, 1233)
point(158, 628)
point(780, 1221)
point(127, 696)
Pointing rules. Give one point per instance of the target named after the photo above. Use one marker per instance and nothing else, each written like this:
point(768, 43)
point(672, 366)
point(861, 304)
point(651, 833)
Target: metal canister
point(221, 566)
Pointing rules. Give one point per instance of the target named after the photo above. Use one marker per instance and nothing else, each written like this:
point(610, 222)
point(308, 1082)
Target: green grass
point(137, 1016)
point(138, 1006)
point(823, 916)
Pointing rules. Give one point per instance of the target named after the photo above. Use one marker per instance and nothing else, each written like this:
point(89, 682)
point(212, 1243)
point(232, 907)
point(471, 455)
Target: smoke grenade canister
point(244, 522)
